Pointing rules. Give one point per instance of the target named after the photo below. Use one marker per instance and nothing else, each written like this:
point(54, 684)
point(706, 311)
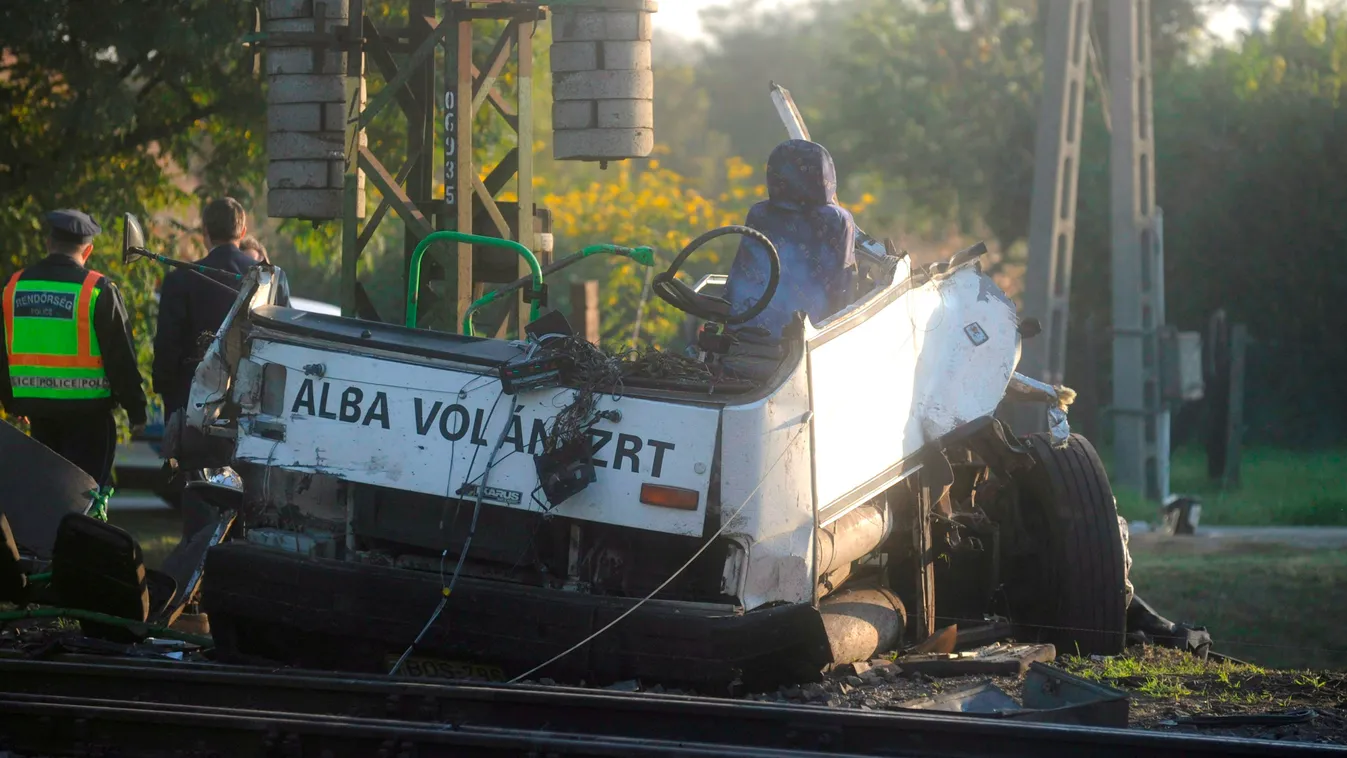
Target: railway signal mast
point(319, 110)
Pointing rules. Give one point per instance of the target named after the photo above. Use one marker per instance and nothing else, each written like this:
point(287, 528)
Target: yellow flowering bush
point(653, 206)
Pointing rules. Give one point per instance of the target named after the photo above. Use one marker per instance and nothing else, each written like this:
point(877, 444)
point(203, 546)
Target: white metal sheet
point(935, 358)
point(767, 495)
point(430, 430)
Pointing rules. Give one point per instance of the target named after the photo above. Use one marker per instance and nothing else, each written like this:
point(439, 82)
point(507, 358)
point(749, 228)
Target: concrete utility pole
point(1052, 224)
point(1141, 425)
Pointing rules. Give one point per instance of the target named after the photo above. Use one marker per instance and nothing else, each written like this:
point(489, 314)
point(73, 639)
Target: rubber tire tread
point(1084, 609)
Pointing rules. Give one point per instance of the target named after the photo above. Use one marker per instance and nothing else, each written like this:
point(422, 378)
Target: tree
point(750, 47)
point(104, 102)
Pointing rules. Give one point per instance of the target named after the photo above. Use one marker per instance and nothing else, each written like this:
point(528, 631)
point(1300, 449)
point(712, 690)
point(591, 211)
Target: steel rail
point(611, 714)
point(57, 726)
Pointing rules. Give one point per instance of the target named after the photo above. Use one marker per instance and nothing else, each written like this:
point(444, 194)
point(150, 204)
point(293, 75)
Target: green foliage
point(1250, 144)
point(941, 105)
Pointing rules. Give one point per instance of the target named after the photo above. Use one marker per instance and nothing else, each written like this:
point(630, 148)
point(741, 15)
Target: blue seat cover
point(814, 236)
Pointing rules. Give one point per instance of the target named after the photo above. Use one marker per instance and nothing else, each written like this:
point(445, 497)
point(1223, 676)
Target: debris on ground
point(1146, 627)
point(943, 641)
point(1001, 659)
point(42, 639)
point(1168, 690)
point(880, 685)
point(1049, 695)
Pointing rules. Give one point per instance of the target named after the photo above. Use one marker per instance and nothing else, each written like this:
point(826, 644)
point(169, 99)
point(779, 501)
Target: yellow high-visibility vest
point(49, 338)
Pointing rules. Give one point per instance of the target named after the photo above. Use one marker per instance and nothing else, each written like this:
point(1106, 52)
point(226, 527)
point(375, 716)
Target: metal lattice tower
point(1141, 420)
point(1052, 225)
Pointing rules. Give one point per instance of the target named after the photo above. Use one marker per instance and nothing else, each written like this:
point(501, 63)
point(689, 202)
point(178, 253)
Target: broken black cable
point(448, 589)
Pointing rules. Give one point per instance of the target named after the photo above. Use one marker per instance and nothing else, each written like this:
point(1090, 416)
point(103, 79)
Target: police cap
point(68, 225)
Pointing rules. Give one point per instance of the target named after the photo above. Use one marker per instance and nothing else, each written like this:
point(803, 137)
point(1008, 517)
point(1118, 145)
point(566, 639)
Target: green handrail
point(643, 256)
point(414, 276)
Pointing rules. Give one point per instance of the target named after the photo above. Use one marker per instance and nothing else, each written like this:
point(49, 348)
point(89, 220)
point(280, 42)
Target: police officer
point(68, 357)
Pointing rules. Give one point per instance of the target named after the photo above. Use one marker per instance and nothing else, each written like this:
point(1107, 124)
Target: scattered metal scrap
point(1000, 659)
point(1050, 695)
point(56, 562)
point(1145, 626)
point(41, 487)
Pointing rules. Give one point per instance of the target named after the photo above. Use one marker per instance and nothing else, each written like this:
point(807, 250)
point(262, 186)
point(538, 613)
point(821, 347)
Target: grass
point(1165, 683)
point(157, 531)
point(1270, 604)
point(1278, 488)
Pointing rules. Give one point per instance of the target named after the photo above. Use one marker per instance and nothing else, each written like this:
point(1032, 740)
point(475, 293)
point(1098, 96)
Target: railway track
point(80, 708)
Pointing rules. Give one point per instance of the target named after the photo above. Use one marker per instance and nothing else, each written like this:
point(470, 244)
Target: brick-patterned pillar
point(307, 112)
point(602, 84)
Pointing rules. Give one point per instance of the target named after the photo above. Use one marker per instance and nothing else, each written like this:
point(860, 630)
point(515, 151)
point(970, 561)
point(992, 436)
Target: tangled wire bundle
point(595, 371)
point(597, 374)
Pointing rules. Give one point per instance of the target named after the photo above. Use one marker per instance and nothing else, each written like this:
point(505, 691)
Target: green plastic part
point(414, 275)
point(643, 255)
point(99, 508)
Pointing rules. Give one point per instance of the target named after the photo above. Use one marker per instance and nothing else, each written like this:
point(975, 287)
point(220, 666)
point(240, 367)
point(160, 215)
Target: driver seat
point(814, 236)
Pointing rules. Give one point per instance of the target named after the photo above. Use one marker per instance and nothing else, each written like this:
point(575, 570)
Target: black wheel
point(1072, 590)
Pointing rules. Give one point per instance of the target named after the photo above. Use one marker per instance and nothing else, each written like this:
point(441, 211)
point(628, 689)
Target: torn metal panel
point(985, 699)
point(1062, 698)
point(186, 564)
point(40, 488)
point(1058, 399)
point(766, 491)
point(213, 381)
point(944, 355)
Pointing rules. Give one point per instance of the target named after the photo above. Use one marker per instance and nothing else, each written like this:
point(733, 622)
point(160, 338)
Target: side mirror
point(133, 238)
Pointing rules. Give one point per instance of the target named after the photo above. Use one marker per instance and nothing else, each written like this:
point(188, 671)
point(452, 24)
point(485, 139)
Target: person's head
point(249, 244)
point(71, 233)
point(224, 222)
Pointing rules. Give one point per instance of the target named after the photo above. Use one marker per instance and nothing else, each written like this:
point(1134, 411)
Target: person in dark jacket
point(190, 307)
point(68, 356)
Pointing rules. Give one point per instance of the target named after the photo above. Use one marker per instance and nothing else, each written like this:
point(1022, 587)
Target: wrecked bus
point(537, 507)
